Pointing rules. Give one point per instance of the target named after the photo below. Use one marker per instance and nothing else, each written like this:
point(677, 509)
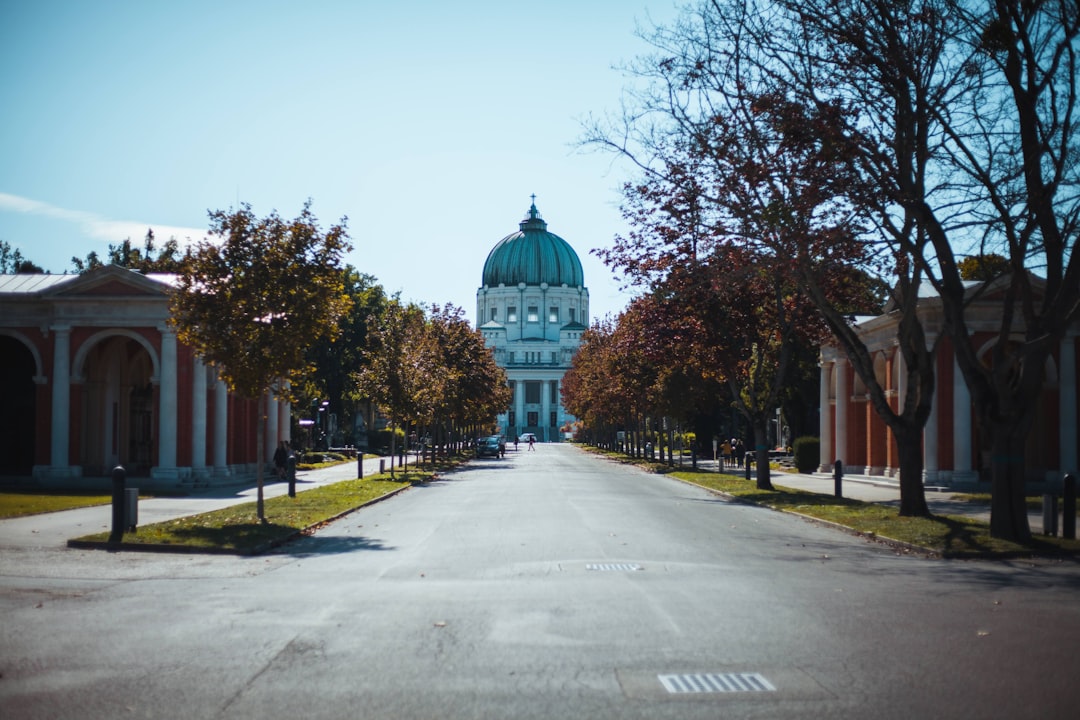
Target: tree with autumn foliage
point(722, 143)
point(430, 371)
point(252, 296)
point(961, 117)
point(393, 374)
point(472, 389)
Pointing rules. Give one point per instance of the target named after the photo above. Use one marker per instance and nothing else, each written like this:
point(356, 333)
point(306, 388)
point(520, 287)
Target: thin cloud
point(98, 227)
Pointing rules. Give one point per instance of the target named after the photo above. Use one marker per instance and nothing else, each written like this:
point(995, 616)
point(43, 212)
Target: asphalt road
point(549, 584)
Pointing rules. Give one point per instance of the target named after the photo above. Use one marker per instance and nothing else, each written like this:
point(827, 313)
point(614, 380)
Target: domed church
point(532, 308)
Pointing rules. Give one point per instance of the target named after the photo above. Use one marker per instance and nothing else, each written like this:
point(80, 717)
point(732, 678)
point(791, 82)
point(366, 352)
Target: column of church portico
point(198, 417)
point(962, 473)
point(545, 401)
point(61, 402)
point(221, 428)
point(519, 406)
point(842, 400)
point(825, 446)
point(166, 467)
point(1067, 407)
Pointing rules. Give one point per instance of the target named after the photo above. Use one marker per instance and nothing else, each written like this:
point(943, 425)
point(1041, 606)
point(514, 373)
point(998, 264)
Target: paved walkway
point(55, 529)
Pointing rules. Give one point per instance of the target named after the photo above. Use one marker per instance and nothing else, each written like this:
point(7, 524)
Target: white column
point(900, 370)
point(270, 441)
point(545, 403)
point(198, 415)
point(166, 466)
point(61, 397)
point(284, 409)
point(961, 411)
point(930, 440)
point(842, 398)
point(221, 428)
point(825, 448)
point(519, 403)
point(1067, 404)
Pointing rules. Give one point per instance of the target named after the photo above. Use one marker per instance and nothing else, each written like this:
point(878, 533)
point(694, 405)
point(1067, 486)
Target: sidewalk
point(885, 491)
point(53, 530)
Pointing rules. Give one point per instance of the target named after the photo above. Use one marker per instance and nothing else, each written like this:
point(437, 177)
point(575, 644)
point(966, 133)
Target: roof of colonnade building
point(533, 256)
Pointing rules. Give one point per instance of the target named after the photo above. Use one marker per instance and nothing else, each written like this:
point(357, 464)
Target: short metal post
point(359, 464)
point(838, 479)
point(1068, 520)
point(119, 478)
point(382, 465)
point(1050, 514)
point(746, 464)
point(290, 470)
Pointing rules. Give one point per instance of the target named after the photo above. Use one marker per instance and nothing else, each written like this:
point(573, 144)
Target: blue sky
point(427, 124)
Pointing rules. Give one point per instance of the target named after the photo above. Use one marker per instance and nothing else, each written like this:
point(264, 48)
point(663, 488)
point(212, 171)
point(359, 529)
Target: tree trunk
point(392, 458)
point(910, 455)
point(1008, 506)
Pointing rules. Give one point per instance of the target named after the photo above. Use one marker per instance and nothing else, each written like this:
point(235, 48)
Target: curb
point(192, 550)
point(882, 539)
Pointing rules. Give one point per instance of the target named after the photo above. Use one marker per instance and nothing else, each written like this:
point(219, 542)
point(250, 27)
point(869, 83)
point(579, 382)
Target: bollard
point(1068, 521)
point(838, 479)
point(359, 465)
point(746, 464)
point(382, 466)
point(1050, 514)
point(290, 470)
point(119, 477)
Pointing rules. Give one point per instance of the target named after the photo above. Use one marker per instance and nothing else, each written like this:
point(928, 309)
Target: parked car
point(488, 447)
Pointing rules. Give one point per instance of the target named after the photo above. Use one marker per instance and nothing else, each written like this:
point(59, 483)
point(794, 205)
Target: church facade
point(532, 308)
point(93, 376)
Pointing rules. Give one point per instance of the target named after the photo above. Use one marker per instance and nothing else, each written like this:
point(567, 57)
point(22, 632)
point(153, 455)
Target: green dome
point(533, 256)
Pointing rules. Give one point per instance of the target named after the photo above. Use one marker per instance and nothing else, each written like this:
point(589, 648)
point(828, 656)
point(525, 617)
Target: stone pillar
point(545, 403)
point(825, 447)
point(198, 416)
point(519, 405)
point(221, 428)
point(962, 473)
point(61, 399)
point(166, 467)
point(930, 440)
point(842, 401)
point(1067, 407)
point(270, 439)
point(284, 421)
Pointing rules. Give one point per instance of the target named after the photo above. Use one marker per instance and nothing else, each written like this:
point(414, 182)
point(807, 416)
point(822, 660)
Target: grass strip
point(19, 503)
point(237, 530)
point(945, 535)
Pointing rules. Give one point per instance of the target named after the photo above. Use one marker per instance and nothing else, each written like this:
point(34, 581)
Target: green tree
point(393, 373)
point(253, 296)
point(335, 360)
point(146, 259)
point(12, 261)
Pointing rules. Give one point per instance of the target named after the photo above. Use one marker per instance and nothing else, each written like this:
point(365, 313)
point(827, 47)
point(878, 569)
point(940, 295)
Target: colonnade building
point(852, 432)
point(93, 376)
point(532, 308)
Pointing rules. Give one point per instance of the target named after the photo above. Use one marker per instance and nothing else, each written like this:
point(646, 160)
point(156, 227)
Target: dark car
point(488, 447)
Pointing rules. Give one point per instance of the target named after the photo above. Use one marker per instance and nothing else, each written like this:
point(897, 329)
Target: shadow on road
point(311, 545)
